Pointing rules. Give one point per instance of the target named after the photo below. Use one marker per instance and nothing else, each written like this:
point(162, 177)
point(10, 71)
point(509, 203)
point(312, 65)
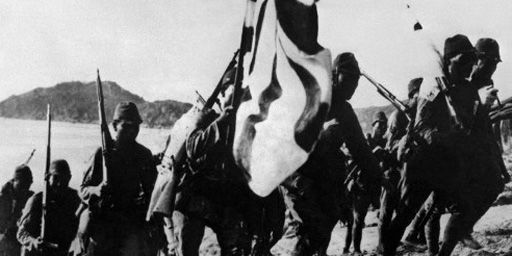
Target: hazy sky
point(168, 49)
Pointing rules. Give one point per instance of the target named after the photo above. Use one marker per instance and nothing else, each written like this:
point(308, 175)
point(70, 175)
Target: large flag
point(289, 77)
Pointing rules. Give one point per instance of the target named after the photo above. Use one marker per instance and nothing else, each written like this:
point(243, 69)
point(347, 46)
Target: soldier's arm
point(396, 129)
point(202, 140)
point(5, 210)
point(92, 178)
point(30, 221)
point(431, 118)
point(356, 143)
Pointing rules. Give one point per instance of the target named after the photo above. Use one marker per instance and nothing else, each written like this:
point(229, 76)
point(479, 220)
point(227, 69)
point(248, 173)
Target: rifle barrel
point(30, 157)
point(201, 99)
point(382, 90)
point(213, 97)
point(46, 171)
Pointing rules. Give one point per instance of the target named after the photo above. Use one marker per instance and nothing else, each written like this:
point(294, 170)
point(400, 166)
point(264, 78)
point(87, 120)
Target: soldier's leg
point(233, 234)
point(274, 217)
point(483, 198)
point(348, 219)
point(189, 232)
point(418, 224)
point(307, 226)
point(432, 230)
point(413, 194)
point(434, 207)
point(389, 200)
point(360, 207)
point(105, 239)
point(462, 209)
point(135, 242)
point(266, 223)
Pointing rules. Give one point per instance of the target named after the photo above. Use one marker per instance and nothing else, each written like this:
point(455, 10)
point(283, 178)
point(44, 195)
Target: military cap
point(414, 86)
point(457, 44)
point(127, 111)
point(60, 167)
point(346, 63)
point(380, 117)
point(488, 47)
point(22, 172)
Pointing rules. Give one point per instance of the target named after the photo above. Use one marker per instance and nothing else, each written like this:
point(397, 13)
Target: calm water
point(74, 142)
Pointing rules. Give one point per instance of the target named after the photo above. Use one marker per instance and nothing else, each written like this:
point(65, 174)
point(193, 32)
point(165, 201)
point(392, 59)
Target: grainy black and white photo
point(255, 128)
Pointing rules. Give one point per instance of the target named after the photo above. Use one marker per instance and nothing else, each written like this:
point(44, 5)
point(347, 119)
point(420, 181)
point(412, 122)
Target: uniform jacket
point(61, 221)
point(325, 168)
point(467, 140)
point(11, 206)
point(131, 181)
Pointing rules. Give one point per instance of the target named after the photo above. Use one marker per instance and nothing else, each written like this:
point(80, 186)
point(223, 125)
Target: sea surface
point(73, 142)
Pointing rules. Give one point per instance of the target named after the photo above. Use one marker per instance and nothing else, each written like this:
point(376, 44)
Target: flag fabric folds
point(290, 80)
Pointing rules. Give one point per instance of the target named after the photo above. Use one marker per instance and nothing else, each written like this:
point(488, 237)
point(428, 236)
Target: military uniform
point(115, 222)
point(458, 159)
point(313, 195)
point(397, 128)
point(61, 222)
point(121, 229)
point(212, 193)
point(11, 206)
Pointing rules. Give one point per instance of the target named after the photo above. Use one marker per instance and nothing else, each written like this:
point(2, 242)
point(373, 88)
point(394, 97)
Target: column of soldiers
point(445, 158)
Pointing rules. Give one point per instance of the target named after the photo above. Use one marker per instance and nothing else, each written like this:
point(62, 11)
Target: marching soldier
point(488, 58)
point(61, 222)
point(397, 128)
point(313, 194)
point(119, 226)
point(379, 127)
point(455, 158)
point(212, 191)
point(13, 196)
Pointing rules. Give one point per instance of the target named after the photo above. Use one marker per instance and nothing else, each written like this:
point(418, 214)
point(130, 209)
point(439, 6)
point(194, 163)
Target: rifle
point(30, 157)
point(106, 138)
point(398, 105)
point(200, 98)
point(213, 97)
point(46, 172)
point(245, 46)
point(174, 161)
point(106, 146)
point(389, 96)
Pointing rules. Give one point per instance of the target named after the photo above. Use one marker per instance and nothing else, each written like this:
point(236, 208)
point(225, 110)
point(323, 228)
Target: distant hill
point(77, 102)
